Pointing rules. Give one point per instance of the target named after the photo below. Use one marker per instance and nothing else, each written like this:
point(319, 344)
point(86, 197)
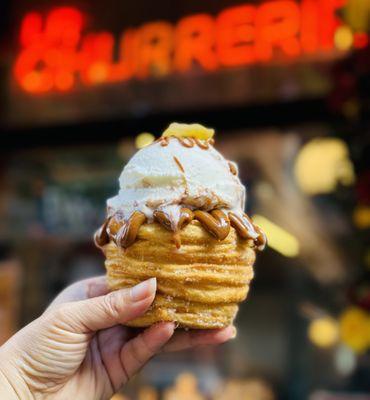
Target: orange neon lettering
point(236, 36)
point(55, 53)
point(124, 68)
point(309, 26)
point(194, 42)
point(97, 56)
point(47, 58)
point(277, 24)
point(31, 29)
point(328, 21)
point(155, 44)
point(63, 27)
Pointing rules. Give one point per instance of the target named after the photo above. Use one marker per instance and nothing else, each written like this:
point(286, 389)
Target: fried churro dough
point(199, 285)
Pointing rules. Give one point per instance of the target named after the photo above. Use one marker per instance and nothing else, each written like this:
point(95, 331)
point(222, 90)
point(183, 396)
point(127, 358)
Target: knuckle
point(56, 316)
point(60, 311)
point(148, 349)
point(137, 352)
point(112, 305)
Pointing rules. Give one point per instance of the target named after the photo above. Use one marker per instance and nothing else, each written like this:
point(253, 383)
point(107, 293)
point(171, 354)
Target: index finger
point(183, 340)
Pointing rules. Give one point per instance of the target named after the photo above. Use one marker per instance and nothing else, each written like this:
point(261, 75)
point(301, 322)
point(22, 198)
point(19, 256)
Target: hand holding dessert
point(179, 216)
point(79, 349)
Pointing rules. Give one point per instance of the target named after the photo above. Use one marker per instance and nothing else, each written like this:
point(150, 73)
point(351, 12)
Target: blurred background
point(286, 85)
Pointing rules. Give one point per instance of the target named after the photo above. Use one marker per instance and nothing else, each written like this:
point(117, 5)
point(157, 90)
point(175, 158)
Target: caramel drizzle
point(232, 168)
point(129, 230)
point(179, 164)
point(186, 216)
point(216, 222)
point(101, 237)
point(164, 141)
point(123, 233)
point(188, 142)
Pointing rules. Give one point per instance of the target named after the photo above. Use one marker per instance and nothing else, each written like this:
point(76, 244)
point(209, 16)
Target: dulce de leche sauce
point(216, 222)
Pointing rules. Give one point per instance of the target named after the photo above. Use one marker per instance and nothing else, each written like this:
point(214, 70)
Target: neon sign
point(58, 55)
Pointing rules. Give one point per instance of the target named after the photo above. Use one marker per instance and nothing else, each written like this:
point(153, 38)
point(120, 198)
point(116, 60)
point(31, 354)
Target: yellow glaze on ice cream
point(189, 130)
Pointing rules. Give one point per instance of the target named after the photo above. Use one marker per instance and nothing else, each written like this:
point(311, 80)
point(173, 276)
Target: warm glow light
point(361, 217)
point(236, 35)
point(277, 23)
point(360, 40)
point(56, 53)
point(343, 38)
point(154, 49)
point(278, 238)
point(194, 42)
point(144, 139)
point(323, 332)
point(98, 72)
point(355, 329)
point(323, 163)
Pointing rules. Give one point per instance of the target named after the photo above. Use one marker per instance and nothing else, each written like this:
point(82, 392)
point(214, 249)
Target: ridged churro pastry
point(179, 217)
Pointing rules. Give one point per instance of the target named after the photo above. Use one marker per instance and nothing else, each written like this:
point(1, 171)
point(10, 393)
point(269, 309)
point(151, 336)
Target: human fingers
point(183, 340)
point(138, 351)
point(118, 307)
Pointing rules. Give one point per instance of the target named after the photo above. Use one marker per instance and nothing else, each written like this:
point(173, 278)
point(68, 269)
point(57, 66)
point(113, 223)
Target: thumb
point(103, 312)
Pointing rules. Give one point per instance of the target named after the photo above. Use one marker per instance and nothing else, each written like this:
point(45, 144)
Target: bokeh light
point(323, 332)
point(343, 38)
point(323, 163)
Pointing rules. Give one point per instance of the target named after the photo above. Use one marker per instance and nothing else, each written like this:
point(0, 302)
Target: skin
point(80, 349)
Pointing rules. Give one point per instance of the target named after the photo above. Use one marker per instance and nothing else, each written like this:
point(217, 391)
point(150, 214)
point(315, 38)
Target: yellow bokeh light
point(278, 238)
point(361, 217)
point(144, 139)
point(323, 163)
point(343, 38)
point(323, 332)
point(355, 329)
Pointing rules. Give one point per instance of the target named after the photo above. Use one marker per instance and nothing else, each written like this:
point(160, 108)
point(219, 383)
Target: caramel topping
point(232, 169)
point(114, 226)
point(216, 222)
point(202, 144)
point(239, 226)
point(186, 142)
point(101, 236)
point(164, 141)
point(179, 164)
point(261, 241)
point(128, 232)
point(186, 216)
point(163, 219)
point(245, 231)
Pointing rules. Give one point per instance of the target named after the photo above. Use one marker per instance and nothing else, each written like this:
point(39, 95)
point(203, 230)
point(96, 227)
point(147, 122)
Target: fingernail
point(143, 290)
point(234, 332)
